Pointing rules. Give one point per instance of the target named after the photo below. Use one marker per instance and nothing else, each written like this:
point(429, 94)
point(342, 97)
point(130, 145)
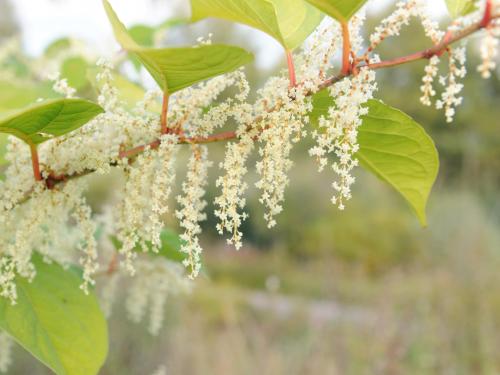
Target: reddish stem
point(291, 69)
point(224, 136)
point(487, 17)
point(35, 162)
point(346, 48)
point(164, 114)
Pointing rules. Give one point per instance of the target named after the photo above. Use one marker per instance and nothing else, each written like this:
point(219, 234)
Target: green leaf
point(399, 151)
point(290, 22)
point(74, 69)
point(395, 148)
point(177, 68)
point(15, 94)
point(56, 322)
point(170, 246)
point(459, 8)
point(341, 10)
point(43, 121)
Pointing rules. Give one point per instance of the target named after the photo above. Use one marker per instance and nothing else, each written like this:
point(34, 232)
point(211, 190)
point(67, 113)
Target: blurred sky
point(42, 21)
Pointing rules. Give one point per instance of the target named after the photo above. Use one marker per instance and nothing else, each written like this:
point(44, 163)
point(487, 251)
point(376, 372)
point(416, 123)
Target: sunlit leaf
point(56, 322)
point(399, 151)
point(43, 121)
point(459, 8)
point(177, 68)
point(341, 10)
point(290, 22)
point(395, 148)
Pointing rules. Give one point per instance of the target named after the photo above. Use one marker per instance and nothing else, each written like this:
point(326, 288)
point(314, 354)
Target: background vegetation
point(365, 291)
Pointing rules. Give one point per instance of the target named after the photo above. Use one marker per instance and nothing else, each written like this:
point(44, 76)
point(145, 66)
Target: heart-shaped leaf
point(341, 10)
point(177, 68)
point(43, 121)
point(56, 322)
point(459, 8)
point(395, 148)
point(290, 22)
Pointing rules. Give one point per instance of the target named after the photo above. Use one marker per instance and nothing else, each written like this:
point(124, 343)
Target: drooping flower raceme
point(338, 132)
point(192, 205)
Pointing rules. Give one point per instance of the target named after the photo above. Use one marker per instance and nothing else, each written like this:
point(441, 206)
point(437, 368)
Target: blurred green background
point(365, 291)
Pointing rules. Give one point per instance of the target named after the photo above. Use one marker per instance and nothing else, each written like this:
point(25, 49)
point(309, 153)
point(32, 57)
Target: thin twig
point(291, 69)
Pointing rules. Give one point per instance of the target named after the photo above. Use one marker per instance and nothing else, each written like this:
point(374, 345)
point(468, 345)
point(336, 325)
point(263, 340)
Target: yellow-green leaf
point(177, 68)
point(15, 94)
point(56, 322)
point(398, 150)
point(341, 10)
point(395, 148)
point(459, 8)
point(290, 22)
point(43, 121)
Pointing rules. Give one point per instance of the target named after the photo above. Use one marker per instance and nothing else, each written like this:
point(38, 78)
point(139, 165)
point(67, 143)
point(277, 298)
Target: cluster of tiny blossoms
point(489, 48)
point(192, 205)
point(339, 130)
point(60, 224)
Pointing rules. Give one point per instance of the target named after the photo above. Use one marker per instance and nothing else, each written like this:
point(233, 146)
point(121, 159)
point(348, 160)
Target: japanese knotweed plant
point(53, 248)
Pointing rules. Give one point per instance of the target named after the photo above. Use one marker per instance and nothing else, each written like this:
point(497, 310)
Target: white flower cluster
point(392, 25)
point(315, 62)
point(431, 71)
point(192, 205)
point(489, 51)
point(233, 187)
point(40, 224)
point(145, 199)
point(61, 85)
point(279, 130)
point(450, 97)
point(338, 132)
